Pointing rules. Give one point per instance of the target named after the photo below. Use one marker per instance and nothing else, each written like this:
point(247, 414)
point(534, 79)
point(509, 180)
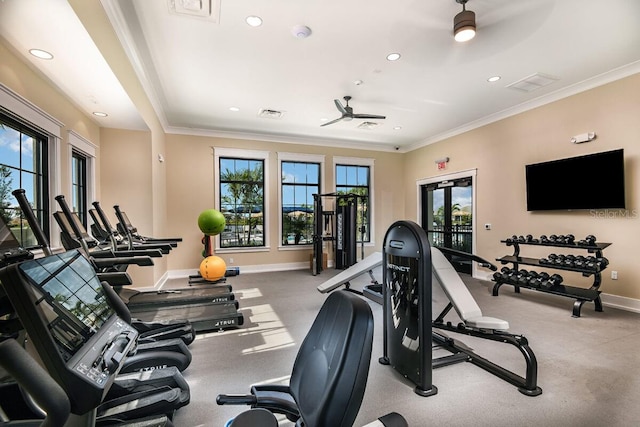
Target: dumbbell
point(553, 258)
point(553, 238)
point(544, 239)
point(579, 262)
point(590, 240)
point(555, 279)
point(569, 260)
point(604, 262)
point(530, 239)
point(542, 277)
point(502, 275)
point(523, 277)
point(533, 278)
point(570, 239)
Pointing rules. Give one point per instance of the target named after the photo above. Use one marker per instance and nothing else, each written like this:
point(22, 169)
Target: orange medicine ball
point(213, 268)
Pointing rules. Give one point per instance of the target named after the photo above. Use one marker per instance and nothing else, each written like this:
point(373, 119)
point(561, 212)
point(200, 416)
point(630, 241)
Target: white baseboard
point(623, 303)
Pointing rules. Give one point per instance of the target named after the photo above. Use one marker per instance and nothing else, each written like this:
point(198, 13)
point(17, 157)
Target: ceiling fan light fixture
point(464, 24)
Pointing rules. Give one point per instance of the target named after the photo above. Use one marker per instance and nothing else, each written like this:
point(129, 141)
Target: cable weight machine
point(338, 226)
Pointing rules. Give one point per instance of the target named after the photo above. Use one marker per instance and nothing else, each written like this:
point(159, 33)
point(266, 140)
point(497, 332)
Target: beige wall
point(190, 190)
point(500, 152)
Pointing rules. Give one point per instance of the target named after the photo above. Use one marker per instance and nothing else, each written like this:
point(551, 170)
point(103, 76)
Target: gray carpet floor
point(588, 367)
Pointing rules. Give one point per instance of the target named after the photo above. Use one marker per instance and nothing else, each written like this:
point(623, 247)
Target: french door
point(447, 216)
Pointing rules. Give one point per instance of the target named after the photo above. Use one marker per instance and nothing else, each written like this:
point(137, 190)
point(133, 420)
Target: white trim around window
point(88, 149)
point(242, 154)
point(296, 157)
point(361, 161)
point(23, 110)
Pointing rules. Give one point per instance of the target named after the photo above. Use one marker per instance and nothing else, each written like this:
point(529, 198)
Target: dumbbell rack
point(581, 295)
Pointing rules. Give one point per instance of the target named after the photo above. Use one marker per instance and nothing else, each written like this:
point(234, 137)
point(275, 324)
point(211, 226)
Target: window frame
point(86, 149)
point(20, 109)
point(370, 163)
point(244, 155)
point(300, 158)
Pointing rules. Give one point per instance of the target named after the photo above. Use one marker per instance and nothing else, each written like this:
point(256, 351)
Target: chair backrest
point(330, 372)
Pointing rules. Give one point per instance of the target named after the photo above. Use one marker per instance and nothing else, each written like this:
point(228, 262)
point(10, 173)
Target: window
point(79, 185)
point(353, 176)
point(23, 164)
point(300, 180)
point(242, 198)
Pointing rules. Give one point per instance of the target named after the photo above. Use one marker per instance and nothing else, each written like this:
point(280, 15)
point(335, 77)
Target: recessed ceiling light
point(39, 53)
point(393, 56)
point(493, 79)
point(100, 114)
point(234, 109)
point(324, 119)
point(254, 21)
point(397, 127)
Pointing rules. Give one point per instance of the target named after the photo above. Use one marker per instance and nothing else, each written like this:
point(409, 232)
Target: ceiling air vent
point(533, 82)
point(204, 9)
point(270, 114)
point(368, 125)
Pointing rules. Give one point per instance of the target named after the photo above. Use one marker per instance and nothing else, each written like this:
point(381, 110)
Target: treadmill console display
point(70, 298)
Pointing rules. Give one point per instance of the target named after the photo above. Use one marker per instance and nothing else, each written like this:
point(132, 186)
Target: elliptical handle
point(27, 211)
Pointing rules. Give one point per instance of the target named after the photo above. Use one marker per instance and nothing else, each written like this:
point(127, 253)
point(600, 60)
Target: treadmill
point(219, 293)
point(210, 316)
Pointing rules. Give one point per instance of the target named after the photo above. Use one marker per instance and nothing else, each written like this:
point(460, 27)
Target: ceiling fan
point(347, 113)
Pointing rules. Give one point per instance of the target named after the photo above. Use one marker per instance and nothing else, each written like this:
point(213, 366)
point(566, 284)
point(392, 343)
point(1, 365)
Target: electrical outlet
point(487, 226)
point(614, 275)
point(230, 260)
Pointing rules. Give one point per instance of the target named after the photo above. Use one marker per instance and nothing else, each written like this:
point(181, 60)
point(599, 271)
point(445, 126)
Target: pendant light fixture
point(464, 24)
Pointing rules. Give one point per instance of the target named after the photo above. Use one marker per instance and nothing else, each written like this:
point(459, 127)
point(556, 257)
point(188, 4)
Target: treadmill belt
point(178, 296)
point(203, 317)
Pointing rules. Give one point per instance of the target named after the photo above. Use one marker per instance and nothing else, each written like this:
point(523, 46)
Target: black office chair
point(329, 374)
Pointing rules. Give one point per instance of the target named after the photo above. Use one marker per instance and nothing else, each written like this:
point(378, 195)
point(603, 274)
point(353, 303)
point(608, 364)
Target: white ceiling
point(194, 69)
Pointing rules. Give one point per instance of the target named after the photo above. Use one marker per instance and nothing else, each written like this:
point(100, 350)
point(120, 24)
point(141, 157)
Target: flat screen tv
point(594, 181)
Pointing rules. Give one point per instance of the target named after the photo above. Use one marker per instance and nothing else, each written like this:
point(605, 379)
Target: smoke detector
point(301, 31)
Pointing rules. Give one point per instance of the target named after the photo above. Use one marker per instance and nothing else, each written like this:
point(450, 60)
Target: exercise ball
point(213, 268)
point(211, 222)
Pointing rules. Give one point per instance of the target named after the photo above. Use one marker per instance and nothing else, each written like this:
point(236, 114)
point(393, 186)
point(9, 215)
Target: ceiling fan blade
point(340, 107)
point(368, 116)
point(332, 122)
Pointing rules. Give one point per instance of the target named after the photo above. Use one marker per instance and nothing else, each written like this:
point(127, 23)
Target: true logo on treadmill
point(225, 323)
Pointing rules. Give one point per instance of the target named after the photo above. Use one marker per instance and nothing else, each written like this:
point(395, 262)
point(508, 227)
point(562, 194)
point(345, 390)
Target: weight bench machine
point(474, 323)
point(373, 291)
point(410, 266)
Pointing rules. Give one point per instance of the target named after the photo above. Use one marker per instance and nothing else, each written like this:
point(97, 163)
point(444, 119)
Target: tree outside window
point(242, 202)
point(299, 182)
point(354, 179)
